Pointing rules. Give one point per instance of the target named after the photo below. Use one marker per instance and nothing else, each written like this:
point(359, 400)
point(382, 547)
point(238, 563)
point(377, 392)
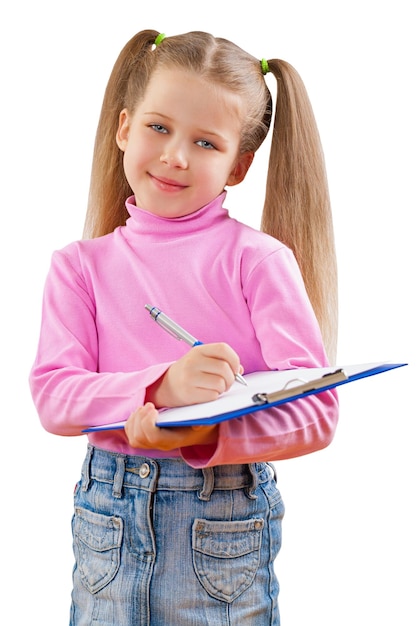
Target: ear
point(238, 173)
point(122, 134)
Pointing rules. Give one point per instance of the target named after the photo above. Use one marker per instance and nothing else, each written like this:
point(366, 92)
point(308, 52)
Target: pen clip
point(169, 330)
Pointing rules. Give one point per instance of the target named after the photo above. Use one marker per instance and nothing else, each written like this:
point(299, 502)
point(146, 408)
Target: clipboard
point(264, 390)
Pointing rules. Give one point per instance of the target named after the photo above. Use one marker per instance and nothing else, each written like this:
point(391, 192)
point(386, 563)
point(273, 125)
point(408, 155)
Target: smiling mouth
point(166, 184)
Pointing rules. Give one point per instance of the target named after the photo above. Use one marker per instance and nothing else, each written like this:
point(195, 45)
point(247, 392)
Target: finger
point(140, 424)
point(225, 354)
point(222, 363)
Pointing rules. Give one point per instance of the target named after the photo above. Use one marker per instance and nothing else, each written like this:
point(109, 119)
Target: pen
point(179, 333)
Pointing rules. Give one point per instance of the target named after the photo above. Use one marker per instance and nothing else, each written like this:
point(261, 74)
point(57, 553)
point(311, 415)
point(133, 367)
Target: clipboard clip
point(324, 382)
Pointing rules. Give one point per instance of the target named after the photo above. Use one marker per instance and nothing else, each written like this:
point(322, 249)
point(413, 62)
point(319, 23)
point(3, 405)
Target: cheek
point(130, 167)
point(131, 158)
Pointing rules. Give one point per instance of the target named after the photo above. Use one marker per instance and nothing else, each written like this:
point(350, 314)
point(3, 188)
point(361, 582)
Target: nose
point(174, 156)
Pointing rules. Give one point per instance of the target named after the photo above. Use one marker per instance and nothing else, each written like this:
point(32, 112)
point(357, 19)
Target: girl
point(181, 526)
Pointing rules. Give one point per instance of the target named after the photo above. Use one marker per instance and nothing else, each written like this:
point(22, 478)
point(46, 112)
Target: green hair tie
point(265, 66)
point(159, 38)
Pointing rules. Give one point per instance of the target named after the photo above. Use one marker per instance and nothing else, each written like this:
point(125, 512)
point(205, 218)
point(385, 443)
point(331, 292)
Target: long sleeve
point(288, 332)
point(68, 390)
point(302, 427)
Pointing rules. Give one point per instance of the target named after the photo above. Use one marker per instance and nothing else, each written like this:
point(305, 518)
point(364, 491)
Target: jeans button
point(144, 470)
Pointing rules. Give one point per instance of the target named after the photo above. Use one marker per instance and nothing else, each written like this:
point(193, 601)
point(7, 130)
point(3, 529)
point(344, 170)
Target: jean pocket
point(97, 541)
point(226, 555)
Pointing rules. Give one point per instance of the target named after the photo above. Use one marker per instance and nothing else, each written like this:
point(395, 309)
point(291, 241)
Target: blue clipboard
point(265, 390)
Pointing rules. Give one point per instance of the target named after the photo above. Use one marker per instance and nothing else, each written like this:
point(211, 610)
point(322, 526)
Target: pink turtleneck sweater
point(221, 280)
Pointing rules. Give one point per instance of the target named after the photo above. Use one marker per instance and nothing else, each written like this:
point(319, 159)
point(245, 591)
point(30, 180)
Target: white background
point(349, 548)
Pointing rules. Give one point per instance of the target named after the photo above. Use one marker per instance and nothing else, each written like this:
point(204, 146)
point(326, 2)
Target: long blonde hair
point(297, 206)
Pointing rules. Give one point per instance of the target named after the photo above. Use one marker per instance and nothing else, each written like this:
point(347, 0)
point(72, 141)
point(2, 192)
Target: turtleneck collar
point(157, 228)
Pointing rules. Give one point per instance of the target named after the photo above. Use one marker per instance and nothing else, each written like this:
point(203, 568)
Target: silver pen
point(179, 333)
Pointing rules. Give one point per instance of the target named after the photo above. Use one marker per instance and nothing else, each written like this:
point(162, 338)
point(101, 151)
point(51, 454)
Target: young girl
point(181, 526)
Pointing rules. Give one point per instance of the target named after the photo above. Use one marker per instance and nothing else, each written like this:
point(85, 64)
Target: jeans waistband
point(140, 472)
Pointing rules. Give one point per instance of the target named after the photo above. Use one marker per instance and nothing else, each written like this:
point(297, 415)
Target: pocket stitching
point(86, 550)
point(205, 556)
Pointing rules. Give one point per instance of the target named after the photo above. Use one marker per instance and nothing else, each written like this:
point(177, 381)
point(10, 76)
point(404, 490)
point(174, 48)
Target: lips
point(167, 184)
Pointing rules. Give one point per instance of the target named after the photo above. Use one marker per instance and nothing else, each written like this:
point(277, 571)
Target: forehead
point(177, 89)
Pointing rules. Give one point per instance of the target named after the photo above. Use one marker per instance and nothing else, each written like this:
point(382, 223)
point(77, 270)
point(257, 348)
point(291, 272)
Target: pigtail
point(297, 206)
point(108, 185)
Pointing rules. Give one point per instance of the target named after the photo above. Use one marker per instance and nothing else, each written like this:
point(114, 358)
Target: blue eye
point(159, 128)
point(205, 144)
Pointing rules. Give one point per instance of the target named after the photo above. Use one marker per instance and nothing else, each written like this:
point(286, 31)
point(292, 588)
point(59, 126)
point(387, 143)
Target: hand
point(142, 432)
point(201, 375)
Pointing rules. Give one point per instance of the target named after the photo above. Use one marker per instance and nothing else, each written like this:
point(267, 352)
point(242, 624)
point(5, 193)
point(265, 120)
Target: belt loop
point(208, 484)
point(119, 476)
point(255, 481)
point(273, 470)
point(85, 471)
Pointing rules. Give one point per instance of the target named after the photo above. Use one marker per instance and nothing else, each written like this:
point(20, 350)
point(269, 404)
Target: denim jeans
point(158, 543)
